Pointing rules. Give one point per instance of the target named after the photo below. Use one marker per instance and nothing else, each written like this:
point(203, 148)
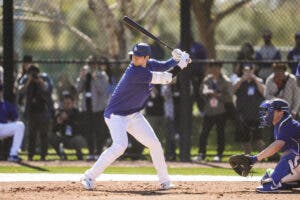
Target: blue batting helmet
point(267, 109)
point(141, 49)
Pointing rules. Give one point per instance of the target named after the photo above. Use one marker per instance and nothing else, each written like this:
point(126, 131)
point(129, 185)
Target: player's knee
point(154, 143)
point(20, 126)
point(119, 149)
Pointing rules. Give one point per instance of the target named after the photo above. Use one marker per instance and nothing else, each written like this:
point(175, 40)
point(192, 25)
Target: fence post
point(185, 85)
point(8, 49)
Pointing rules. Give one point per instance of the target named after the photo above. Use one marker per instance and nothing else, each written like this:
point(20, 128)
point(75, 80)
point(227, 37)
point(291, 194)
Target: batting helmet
point(141, 49)
point(267, 109)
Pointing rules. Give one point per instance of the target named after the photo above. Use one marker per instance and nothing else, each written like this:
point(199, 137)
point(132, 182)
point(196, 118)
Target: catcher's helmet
point(267, 109)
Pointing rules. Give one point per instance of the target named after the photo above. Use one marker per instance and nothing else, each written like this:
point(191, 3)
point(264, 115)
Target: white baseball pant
point(15, 129)
point(136, 125)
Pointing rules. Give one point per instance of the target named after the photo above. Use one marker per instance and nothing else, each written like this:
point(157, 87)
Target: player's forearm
point(271, 150)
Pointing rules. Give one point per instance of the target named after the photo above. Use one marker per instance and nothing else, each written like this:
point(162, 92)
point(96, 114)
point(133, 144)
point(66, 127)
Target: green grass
point(125, 170)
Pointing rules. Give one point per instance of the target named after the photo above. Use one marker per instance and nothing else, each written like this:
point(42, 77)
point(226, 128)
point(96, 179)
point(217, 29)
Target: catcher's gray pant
point(15, 129)
point(136, 125)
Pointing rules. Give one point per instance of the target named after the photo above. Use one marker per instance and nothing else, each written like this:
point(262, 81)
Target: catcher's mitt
point(241, 164)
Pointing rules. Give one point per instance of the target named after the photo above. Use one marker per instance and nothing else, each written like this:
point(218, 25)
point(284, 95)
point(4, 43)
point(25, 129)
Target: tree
point(108, 15)
point(208, 19)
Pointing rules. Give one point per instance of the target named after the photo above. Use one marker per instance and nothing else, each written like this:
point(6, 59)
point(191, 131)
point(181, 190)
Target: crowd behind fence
point(66, 47)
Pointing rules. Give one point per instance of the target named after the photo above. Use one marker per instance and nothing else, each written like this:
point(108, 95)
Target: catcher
point(287, 139)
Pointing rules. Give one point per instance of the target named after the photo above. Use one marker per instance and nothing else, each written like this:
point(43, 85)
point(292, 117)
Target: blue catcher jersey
point(134, 88)
point(288, 130)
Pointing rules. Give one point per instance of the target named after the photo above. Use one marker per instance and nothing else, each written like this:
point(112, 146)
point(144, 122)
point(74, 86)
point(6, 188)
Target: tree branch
point(72, 29)
point(230, 10)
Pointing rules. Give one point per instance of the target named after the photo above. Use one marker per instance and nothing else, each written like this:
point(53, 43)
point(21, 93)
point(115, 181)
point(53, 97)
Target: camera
point(34, 71)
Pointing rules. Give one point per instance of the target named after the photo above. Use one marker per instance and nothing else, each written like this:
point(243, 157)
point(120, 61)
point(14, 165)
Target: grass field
point(125, 170)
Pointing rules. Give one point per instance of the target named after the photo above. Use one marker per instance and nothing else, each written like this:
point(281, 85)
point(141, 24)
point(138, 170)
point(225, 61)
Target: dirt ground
point(138, 191)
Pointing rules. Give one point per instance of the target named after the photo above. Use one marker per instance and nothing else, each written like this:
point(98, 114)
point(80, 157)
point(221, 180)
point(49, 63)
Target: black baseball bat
point(138, 27)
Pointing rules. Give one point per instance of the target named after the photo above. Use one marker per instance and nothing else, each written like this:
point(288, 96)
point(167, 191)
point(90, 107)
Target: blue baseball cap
point(141, 49)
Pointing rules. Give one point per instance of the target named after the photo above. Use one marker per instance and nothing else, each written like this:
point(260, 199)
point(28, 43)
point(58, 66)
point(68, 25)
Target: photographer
point(92, 85)
point(38, 109)
point(66, 129)
point(249, 91)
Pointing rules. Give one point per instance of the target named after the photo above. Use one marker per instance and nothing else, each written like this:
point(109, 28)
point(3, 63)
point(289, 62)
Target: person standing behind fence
point(39, 109)
point(92, 85)
point(249, 91)
point(197, 51)
point(166, 92)
point(65, 87)
point(112, 80)
point(267, 52)
point(298, 74)
point(216, 89)
point(294, 54)
point(282, 84)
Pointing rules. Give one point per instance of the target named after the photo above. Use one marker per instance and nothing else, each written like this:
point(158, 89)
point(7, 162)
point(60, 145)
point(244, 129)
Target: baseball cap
point(141, 49)
point(297, 35)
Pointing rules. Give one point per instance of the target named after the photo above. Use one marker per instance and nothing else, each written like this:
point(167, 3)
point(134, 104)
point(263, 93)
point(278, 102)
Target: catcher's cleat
point(268, 188)
point(167, 186)
point(87, 183)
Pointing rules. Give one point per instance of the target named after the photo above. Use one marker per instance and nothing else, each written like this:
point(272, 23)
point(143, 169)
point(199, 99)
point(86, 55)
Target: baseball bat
point(138, 27)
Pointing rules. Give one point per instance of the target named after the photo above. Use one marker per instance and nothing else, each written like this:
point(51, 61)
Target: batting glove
point(184, 60)
point(176, 54)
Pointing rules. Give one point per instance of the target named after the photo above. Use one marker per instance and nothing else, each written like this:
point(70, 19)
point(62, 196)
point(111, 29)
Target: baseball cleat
point(267, 188)
point(87, 183)
point(167, 186)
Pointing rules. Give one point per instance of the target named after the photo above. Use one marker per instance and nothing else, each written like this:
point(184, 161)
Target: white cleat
point(87, 183)
point(167, 186)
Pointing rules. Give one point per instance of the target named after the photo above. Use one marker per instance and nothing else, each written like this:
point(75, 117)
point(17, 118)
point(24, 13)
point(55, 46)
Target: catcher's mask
point(267, 109)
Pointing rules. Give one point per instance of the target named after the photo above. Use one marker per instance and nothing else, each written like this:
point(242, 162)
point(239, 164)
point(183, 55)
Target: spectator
point(197, 51)
point(38, 109)
point(294, 54)
point(66, 129)
point(249, 91)
point(65, 87)
point(267, 52)
point(112, 80)
point(9, 126)
point(92, 85)
point(1, 74)
point(217, 89)
point(282, 84)
point(298, 74)
point(166, 92)
point(246, 53)
point(27, 62)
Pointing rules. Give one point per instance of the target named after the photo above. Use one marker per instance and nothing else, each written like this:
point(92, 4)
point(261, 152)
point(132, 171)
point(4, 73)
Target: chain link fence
point(61, 34)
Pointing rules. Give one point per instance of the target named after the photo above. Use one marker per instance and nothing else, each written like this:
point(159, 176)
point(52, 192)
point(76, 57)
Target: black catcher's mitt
point(241, 164)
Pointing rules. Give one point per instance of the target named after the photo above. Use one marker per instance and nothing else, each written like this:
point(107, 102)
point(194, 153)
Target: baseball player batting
point(122, 113)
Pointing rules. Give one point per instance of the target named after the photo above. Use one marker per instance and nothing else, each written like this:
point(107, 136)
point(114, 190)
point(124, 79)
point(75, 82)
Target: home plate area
point(116, 186)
